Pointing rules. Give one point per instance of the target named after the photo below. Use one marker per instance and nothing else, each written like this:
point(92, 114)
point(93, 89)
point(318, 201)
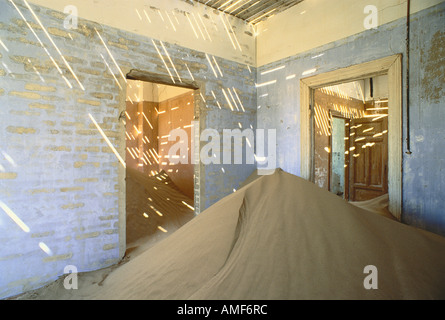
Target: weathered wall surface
point(424, 169)
point(62, 188)
point(188, 24)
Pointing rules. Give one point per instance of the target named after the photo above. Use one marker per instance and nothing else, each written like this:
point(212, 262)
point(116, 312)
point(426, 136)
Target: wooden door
point(368, 158)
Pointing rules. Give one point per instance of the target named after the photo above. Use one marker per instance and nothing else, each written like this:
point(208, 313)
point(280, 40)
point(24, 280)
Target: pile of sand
point(379, 205)
point(279, 237)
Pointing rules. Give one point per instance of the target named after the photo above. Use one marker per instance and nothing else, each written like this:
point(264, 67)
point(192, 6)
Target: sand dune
point(278, 237)
point(379, 205)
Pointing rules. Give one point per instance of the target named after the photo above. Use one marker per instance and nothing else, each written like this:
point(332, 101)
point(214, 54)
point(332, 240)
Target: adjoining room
point(159, 193)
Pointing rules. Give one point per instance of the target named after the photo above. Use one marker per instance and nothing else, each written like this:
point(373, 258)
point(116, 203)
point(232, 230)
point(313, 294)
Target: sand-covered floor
point(155, 208)
point(278, 237)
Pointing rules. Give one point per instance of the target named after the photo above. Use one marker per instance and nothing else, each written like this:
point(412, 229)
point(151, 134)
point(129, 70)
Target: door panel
point(369, 158)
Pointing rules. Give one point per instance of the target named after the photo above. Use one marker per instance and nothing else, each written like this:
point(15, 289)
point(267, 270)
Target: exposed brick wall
point(58, 175)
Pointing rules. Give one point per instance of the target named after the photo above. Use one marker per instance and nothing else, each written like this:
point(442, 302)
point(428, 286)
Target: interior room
point(222, 149)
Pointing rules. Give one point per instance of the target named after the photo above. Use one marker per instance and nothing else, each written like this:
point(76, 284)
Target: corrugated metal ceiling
point(252, 11)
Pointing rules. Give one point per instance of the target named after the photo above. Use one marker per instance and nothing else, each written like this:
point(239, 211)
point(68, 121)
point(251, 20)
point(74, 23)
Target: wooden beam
point(160, 79)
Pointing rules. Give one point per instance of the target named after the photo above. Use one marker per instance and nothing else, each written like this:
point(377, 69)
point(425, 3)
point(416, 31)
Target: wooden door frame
point(199, 170)
point(392, 66)
point(336, 114)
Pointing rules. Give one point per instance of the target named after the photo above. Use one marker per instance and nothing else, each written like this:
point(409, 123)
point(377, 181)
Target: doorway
point(159, 194)
point(389, 66)
point(350, 128)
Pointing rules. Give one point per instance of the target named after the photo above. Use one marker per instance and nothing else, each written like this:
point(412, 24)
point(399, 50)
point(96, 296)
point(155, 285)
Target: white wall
point(313, 23)
point(168, 92)
point(171, 21)
point(355, 89)
point(380, 88)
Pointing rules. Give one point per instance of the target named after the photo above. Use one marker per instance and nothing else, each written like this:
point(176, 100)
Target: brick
point(49, 123)
point(99, 95)
point(196, 66)
point(118, 45)
point(8, 175)
point(72, 59)
point(72, 206)
point(41, 69)
point(21, 130)
point(42, 234)
point(109, 246)
point(110, 194)
point(24, 60)
point(38, 87)
point(109, 217)
point(57, 15)
point(26, 41)
point(25, 113)
point(98, 65)
point(107, 150)
point(90, 71)
point(104, 126)
point(87, 132)
point(10, 257)
point(71, 124)
point(21, 23)
point(79, 164)
point(59, 257)
point(58, 148)
point(88, 235)
point(72, 189)
point(86, 30)
point(129, 42)
point(52, 98)
point(58, 32)
point(89, 102)
point(111, 231)
point(86, 180)
point(38, 191)
point(26, 95)
point(91, 149)
point(42, 106)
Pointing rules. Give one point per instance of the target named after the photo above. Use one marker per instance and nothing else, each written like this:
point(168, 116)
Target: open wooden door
point(339, 159)
point(368, 158)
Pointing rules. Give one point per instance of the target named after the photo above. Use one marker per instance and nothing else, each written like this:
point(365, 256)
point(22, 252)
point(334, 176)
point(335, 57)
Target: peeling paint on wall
point(434, 68)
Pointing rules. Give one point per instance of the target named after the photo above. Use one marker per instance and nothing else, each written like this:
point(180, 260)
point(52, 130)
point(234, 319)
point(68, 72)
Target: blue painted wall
point(424, 169)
